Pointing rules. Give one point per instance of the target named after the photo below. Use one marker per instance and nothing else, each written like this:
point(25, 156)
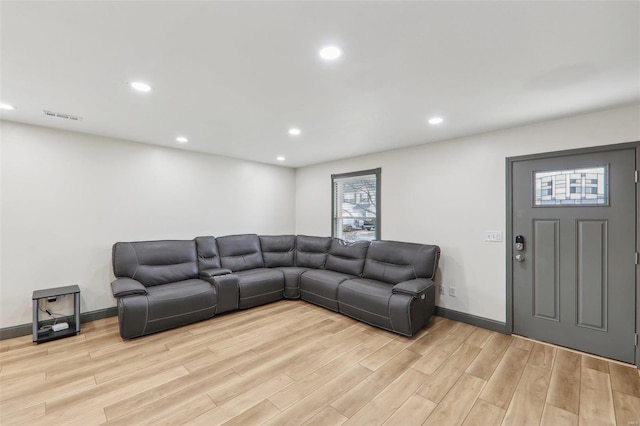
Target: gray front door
point(574, 279)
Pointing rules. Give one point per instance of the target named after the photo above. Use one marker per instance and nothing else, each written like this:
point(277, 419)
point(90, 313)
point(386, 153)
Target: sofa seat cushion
point(182, 298)
point(366, 300)
point(292, 276)
point(320, 287)
point(259, 286)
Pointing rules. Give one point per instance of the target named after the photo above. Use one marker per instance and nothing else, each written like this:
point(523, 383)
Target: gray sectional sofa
point(166, 284)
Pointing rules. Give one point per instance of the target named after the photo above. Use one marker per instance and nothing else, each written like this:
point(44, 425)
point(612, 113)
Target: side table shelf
point(40, 335)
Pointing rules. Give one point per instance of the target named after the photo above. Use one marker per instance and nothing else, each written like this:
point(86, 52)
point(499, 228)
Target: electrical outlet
point(452, 291)
point(442, 290)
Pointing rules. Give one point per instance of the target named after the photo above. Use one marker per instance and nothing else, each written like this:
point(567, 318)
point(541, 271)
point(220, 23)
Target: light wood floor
point(291, 363)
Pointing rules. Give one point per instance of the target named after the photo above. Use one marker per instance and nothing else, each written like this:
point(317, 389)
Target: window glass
point(356, 205)
point(572, 187)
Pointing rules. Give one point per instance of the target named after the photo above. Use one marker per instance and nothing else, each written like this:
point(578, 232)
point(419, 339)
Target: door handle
point(519, 257)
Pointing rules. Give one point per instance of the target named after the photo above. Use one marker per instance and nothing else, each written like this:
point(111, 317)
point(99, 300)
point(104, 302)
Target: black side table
point(40, 336)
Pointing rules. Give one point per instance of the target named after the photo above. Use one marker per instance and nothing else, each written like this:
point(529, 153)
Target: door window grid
point(572, 187)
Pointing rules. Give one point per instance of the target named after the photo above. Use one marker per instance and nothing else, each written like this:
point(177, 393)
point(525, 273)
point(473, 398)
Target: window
point(588, 186)
point(356, 205)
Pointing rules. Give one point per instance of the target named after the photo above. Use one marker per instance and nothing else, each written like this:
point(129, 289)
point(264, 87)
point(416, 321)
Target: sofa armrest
point(415, 288)
point(228, 289)
point(209, 273)
point(127, 287)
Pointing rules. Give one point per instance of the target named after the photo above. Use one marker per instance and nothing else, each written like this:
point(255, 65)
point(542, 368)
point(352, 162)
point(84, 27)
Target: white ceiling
point(235, 76)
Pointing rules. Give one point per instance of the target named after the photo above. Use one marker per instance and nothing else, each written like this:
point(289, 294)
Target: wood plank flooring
point(292, 363)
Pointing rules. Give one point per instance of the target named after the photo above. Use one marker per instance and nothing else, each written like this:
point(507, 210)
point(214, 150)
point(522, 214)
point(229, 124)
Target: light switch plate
point(493, 236)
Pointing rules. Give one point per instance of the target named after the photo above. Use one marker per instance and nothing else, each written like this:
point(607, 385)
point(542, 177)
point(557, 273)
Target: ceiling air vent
point(61, 115)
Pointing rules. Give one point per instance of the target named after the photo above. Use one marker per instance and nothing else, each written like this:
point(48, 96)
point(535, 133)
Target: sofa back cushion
point(393, 262)
point(207, 250)
point(311, 252)
point(240, 252)
point(278, 250)
point(156, 262)
point(347, 257)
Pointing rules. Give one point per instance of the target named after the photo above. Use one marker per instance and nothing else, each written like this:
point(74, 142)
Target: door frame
point(509, 252)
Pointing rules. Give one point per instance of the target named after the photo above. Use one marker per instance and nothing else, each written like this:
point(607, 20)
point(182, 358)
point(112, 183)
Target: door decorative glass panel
point(572, 187)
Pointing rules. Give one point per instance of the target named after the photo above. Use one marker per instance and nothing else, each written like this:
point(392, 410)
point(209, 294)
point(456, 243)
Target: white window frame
point(338, 211)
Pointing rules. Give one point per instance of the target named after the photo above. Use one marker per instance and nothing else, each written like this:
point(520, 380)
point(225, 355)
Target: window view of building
point(356, 208)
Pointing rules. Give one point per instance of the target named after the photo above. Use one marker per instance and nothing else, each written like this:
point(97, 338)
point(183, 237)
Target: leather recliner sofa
point(166, 284)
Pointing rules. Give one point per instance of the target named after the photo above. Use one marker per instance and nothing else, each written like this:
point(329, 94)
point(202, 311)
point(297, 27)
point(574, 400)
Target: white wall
point(448, 193)
point(67, 197)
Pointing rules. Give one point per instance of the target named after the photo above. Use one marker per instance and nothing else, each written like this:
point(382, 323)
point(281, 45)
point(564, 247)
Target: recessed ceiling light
point(280, 158)
point(436, 120)
point(6, 106)
point(140, 86)
point(182, 139)
point(330, 53)
point(294, 131)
